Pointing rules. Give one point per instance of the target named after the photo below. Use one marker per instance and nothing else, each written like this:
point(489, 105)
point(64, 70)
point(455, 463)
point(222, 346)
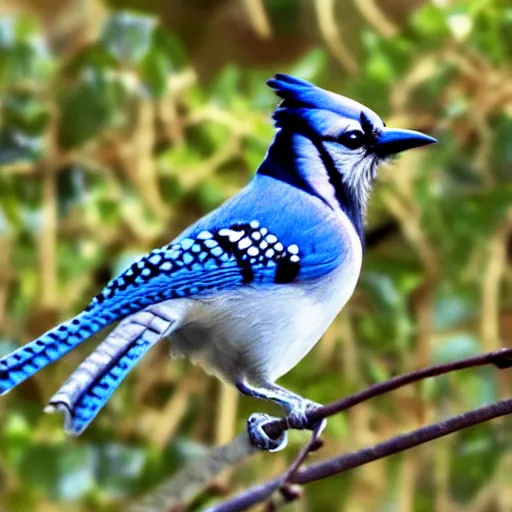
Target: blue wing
point(229, 257)
point(291, 240)
point(193, 266)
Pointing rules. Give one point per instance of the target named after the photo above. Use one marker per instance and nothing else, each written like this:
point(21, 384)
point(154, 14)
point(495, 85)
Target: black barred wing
point(212, 260)
point(198, 265)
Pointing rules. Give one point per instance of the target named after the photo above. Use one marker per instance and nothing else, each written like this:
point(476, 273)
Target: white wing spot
point(234, 236)
point(244, 243)
point(210, 243)
point(293, 249)
point(187, 243)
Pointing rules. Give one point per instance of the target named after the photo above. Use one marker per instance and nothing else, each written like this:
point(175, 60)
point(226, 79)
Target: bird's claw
point(298, 416)
point(259, 438)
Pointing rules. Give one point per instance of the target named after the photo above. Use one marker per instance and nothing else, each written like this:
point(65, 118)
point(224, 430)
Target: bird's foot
point(298, 414)
point(259, 438)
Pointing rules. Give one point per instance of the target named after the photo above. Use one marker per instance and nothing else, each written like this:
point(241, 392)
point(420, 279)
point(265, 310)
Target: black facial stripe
point(343, 195)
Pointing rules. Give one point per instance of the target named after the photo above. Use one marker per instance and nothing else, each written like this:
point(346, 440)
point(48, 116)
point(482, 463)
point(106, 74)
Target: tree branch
point(358, 458)
point(500, 358)
point(190, 480)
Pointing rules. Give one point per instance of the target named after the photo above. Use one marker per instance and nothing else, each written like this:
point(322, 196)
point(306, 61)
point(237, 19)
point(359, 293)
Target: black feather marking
point(255, 250)
point(366, 124)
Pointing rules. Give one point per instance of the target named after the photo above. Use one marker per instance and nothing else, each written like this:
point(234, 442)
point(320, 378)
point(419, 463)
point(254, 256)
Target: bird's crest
point(299, 94)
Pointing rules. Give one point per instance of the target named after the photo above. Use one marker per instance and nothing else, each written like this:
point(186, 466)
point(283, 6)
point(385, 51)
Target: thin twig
point(500, 358)
point(288, 490)
point(48, 233)
point(312, 445)
point(376, 17)
point(358, 458)
point(259, 18)
point(330, 34)
point(492, 276)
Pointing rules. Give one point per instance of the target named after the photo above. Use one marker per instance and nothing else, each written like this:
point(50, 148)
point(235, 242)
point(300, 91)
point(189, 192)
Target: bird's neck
point(299, 161)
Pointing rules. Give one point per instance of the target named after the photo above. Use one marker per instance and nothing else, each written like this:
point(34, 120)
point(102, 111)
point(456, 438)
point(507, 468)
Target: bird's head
point(338, 138)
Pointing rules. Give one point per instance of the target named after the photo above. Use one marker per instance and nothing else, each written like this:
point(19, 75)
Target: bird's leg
point(295, 405)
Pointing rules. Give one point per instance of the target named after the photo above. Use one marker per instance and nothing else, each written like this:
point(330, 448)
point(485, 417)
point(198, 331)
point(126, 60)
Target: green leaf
point(210, 195)
point(94, 103)
point(456, 347)
point(128, 36)
point(451, 309)
point(16, 438)
point(430, 23)
point(20, 110)
point(155, 69)
point(16, 147)
point(118, 467)
point(501, 153)
point(24, 54)
point(70, 188)
point(67, 475)
point(226, 87)
point(479, 387)
point(476, 454)
point(167, 43)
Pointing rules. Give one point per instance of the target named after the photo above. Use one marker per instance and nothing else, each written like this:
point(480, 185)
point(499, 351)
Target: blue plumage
point(215, 260)
point(250, 288)
point(299, 94)
point(29, 359)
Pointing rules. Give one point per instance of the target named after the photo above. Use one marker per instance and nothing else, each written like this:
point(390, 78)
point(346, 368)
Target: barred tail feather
point(91, 385)
point(34, 356)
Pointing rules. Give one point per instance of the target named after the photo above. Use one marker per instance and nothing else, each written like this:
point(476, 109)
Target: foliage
point(112, 148)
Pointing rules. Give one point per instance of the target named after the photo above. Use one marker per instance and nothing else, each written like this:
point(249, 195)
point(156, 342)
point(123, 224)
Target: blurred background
point(122, 122)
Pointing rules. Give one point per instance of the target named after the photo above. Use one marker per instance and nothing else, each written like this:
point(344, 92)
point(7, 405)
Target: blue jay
point(250, 288)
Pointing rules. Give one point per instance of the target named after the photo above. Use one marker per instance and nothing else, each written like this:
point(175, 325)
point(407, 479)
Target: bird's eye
point(353, 139)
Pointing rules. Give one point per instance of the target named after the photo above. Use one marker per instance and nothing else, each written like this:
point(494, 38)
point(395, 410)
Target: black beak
point(393, 140)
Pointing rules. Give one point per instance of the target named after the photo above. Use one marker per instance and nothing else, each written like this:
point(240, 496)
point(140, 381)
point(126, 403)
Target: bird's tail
point(91, 385)
point(52, 345)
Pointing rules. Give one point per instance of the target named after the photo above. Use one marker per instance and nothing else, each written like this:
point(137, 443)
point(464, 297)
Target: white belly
point(260, 333)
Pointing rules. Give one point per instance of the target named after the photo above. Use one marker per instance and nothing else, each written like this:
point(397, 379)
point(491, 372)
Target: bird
point(247, 290)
